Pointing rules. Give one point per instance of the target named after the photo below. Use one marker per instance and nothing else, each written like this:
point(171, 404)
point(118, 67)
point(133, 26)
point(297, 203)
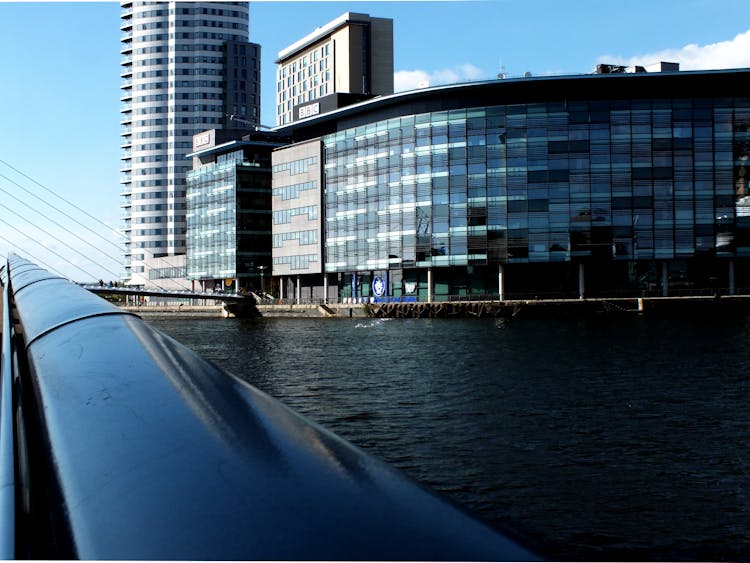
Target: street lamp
point(262, 289)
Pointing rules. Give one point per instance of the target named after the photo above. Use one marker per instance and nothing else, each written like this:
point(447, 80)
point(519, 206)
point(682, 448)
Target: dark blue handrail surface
point(140, 449)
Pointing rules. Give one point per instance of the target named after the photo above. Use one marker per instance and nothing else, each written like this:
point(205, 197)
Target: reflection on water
point(602, 437)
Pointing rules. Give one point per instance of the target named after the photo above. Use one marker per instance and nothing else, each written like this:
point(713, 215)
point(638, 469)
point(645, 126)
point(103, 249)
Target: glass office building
point(595, 185)
point(229, 214)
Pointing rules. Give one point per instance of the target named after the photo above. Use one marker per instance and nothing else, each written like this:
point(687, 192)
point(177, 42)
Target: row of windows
point(285, 216)
point(203, 47)
point(207, 11)
point(179, 60)
point(304, 79)
point(148, 232)
point(163, 134)
point(295, 262)
point(145, 220)
point(161, 207)
point(197, 71)
point(302, 62)
point(187, 23)
point(179, 120)
point(149, 195)
point(296, 166)
point(293, 192)
point(167, 273)
point(539, 182)
point(151, 13)
point(302, 238)
point(180, 84)
point(177, 96)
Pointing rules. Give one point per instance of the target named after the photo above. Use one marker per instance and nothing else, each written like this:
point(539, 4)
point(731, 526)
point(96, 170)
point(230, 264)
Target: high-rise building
point(187, 67)
point(351, 55)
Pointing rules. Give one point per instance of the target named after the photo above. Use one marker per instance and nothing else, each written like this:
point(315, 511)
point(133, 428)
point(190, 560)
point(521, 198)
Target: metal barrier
point(137, 448)
point(7, 456)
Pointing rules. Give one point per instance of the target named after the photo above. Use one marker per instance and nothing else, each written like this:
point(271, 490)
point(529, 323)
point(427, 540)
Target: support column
point(664, 279)
point(500, 282)
point(299, 291)
point(325, 288)
point(429, 285)
point(732, 288)
point(282, 281)
point(354, 287)
point(581, 282)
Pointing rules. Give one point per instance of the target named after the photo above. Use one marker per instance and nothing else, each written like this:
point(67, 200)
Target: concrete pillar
point(430, 286)
point(732, 289)
point(500, 282)
point(282, 281)
point(325, 288)
point(299, 291)
point(664, 279)
point(581, 282)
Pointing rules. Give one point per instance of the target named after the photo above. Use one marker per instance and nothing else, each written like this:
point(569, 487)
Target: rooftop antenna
point(501, 75)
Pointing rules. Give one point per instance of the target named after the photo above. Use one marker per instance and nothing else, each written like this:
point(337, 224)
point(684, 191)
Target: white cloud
point(411, 79)
point(734, 53)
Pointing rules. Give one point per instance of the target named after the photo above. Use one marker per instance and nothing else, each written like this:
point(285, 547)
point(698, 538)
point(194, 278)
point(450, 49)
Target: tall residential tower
point(187, 67)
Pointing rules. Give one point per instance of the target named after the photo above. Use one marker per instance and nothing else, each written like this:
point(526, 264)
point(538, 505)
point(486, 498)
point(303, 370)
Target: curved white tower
point(175, 84)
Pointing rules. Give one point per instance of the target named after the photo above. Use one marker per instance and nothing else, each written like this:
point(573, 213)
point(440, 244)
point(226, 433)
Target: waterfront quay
point(474, 308)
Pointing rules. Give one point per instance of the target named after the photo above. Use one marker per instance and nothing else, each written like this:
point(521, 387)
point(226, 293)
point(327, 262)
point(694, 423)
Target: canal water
point(604, 437)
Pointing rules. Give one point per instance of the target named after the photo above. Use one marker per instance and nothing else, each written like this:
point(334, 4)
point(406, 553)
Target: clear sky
point(60, 79)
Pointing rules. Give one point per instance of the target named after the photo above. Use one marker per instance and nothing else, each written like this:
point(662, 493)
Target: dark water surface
point(598, 438)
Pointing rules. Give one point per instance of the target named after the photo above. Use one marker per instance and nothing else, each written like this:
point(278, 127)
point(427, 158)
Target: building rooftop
point(320, 33)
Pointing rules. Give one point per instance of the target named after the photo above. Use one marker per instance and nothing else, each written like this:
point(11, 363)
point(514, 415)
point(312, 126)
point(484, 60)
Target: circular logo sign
point(378, 286)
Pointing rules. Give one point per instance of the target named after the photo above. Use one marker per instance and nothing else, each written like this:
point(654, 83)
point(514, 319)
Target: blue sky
point(60, 78)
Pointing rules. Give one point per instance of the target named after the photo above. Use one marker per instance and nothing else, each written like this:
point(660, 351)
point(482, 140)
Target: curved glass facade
point(625, 187)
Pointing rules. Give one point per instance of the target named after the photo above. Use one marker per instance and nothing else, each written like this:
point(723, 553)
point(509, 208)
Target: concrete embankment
point(673, 306)
point(285, 310)
point(176, 310)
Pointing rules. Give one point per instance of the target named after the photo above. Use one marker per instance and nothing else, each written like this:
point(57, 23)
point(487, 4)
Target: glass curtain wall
point(211, 220)
point(632, 182)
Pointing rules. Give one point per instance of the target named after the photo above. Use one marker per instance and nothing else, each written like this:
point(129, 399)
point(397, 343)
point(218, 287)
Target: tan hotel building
point(352, 54)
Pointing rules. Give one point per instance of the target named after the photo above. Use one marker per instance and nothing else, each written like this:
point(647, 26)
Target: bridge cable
point(54, 237)
point(56, 254)
point(30, 255)
point(118, 233)
point(58, 224)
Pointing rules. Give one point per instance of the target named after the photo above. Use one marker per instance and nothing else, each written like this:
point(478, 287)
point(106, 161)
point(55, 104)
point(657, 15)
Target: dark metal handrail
point(7, 456)
point(140, 449)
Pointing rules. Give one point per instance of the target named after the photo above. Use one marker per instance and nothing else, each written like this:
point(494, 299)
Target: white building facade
point(187, 67)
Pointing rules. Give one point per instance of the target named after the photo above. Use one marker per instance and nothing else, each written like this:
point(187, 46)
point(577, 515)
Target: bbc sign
point(308, 110)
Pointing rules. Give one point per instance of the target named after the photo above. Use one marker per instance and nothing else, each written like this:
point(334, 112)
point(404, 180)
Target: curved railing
point(136, 448)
